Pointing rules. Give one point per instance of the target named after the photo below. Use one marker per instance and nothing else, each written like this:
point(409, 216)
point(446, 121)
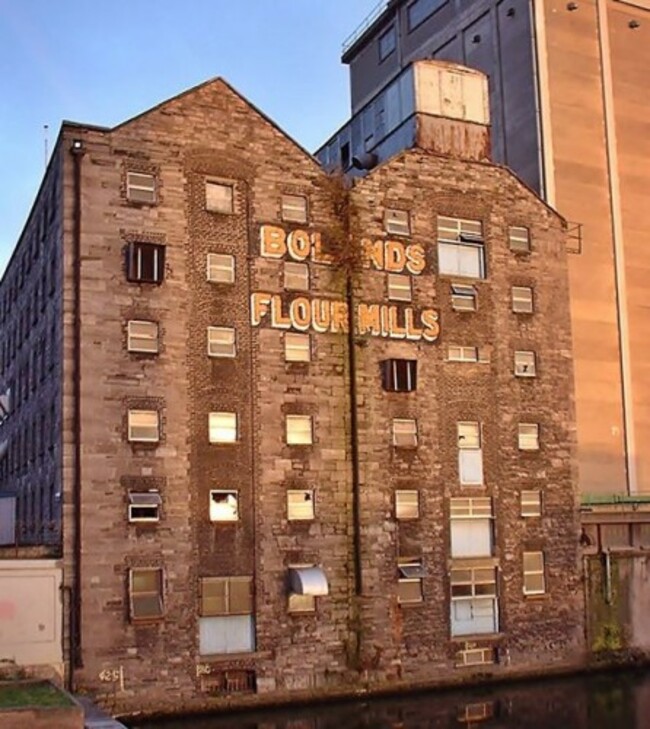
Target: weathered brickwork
point(344, 639)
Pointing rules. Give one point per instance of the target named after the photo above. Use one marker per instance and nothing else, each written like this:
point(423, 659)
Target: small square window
point(219, 197)
point(146, 594)
point(143, 426)
point(463, 298)
point(399, 375)
point(221, 342)
point(405, 433)
point(534, 581)
point(462, 354)
point(226, 596)
point(409, 581)
point(294, 208)
point(145, 263)
point(299, 430)
point(222, 427)
point(144, 506)
point(399, 287)
point(296, 276)
point(519, 239)
point(140, 187)
point(522, 299)
point(297, 347)
point(407, 504)
point(469, 435)
point(528, 436)
point(525, 364)
point(224, 505)
point(221, 268)
point(397, 222)
point(300, 505)
point(531, 503)
point(142, 336)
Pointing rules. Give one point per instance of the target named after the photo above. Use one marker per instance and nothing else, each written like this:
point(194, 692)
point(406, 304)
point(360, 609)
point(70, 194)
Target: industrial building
point(301, 435)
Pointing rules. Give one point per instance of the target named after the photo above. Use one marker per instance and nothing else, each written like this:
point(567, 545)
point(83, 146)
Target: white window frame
point(522, 300)
point(477, 511)
point(528, 436)
point(133, 414)
point(137, 191)
point(525, 363)
point(464, 233)
point(397, 222)
point(220, 268)
point(294, 208)
point(222, 342)
point(519, 239)
point(296, 276)
point(296, 430)
point(468, 435)
point(464, 297)
point(231, 510)
point(399, 287)
point(534, 572)
point(154, 504)
point(230, 428)
point(456, 353)
point(407, 504)
point(297, 347)
point(410, 571)
point(137, 342)
point(405, 432)
point(531, 503)
point(296, 511)
point(158, 593)
point(227, 207)
point(475, 591)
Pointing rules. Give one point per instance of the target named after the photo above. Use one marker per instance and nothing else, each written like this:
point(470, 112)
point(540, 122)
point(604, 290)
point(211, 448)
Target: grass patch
point(15, 695)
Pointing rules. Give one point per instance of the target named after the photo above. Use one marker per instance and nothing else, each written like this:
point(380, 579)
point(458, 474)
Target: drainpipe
point(77, 151)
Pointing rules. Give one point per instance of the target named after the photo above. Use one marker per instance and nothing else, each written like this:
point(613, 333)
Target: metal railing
point(364, 25)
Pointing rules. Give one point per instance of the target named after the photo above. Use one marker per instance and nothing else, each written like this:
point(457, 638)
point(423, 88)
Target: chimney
point(452, 110)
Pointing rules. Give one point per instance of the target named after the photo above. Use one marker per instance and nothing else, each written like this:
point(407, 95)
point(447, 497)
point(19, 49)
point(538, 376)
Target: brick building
point(309, 436)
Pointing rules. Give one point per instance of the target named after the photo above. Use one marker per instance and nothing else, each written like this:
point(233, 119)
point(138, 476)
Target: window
point(145, 263)
point(306, 583)
point(226, 619)
point(463, 298)
point(296, 276)
point(471, 527)
point(531, 503)
point(407, 504)
point(409, 581)
point(140, 187)
point(460, 247)
point(144, 506)
point(397, 222)
point(420, 10)
point(222, 427)
point(221, 268)
point(474, 601)
point(219, 198)
point(528, 436)
point(519, 239)
point(142, 336)
point(405, 433)
point(534, 582)
point(294, 208)
point(146, 594)
point(224, 505)
point(221, 342)
point(143, 426)
point(300, 505)
point(522, 299)
point(399, 287)
point(297, 347)
point(301, 603)
point(399, 375)
point(470, 454)
point(299, 430)
point(387, 43)
point(462, 354)
point(525, 364)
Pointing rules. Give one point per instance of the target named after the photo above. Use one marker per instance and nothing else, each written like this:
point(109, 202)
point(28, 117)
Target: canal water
point(603, 701)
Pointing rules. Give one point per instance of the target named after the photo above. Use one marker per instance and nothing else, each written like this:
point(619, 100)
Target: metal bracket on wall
point(574, 237)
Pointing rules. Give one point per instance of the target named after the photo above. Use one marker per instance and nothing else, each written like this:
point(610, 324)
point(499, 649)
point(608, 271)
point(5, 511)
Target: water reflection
point(618, 701)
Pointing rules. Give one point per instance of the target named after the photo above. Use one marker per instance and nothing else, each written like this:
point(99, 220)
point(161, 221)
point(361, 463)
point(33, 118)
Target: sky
point(102, 62)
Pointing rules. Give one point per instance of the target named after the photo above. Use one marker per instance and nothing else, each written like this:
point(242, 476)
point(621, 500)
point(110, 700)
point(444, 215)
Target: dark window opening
point(145, 263)
point(345, 156)
point(399, 375)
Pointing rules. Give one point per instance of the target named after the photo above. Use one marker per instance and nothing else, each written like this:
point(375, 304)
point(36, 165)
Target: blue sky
point(103, 62)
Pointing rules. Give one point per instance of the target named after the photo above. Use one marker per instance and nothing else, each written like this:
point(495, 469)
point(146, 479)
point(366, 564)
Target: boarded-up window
point(219, 197)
